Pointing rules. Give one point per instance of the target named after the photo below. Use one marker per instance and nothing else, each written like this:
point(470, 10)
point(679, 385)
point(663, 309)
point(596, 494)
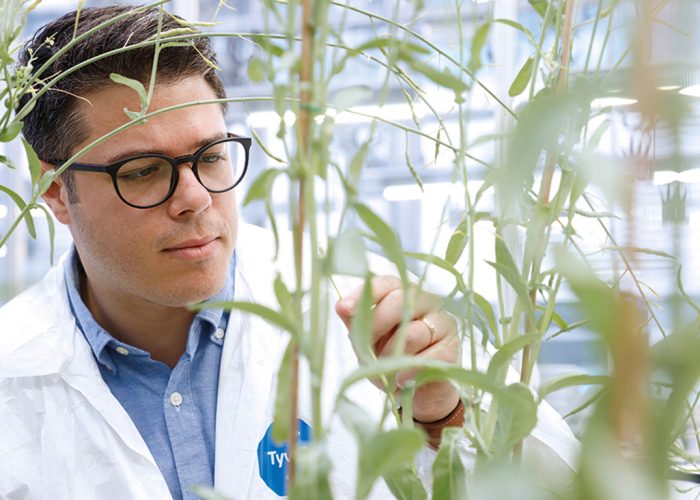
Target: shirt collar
point(206, 320)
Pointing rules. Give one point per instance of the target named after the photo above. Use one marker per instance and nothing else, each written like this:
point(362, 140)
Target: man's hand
point(431, 335)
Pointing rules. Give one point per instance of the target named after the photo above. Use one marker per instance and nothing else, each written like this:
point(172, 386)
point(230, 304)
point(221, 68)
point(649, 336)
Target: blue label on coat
point(273, 458)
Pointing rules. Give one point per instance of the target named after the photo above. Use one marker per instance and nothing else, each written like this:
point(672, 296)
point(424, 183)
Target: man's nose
point(190, 197)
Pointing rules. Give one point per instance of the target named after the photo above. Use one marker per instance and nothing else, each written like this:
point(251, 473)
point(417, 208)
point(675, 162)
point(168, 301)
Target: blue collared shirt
point(173, 409)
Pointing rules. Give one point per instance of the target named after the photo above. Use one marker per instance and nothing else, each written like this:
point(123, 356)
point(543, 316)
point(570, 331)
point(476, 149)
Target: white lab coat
point(64, 436)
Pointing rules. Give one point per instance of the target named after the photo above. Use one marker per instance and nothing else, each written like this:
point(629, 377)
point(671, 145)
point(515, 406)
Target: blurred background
point(665, 215)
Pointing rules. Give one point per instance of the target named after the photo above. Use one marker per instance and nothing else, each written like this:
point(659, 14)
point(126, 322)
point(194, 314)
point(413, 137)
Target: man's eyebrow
point(135, 152)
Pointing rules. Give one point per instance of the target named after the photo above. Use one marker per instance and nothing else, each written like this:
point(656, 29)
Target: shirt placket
point(185, 431)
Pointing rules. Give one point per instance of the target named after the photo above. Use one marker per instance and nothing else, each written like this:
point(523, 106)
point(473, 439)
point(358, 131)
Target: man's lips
point(196, 248)
point(198, 242)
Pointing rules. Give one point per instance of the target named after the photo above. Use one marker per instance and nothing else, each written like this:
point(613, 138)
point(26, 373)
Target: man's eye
point(212, 158)
point(139, 174)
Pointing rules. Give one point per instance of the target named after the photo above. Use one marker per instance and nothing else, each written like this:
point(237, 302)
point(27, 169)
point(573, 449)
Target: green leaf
point(519, 27)
point(485, 307)
point(522, 79)
point(28, 220)
point(430, 370)
point(385, 236)
point(506, 267)
point(267, 45)
point(478, 42)
point(271, 316)
point(540, 6)
point(33, 161)
point(135, 115)
point(405, 484)
point(284, 298)
point(349, 254)
point(357, 162)
point(457, 243)
point(51, 228)
point(12, 131)
point(563, 381)
point(517, 417)
point(5, 160)
point(442, 264)
point(411, 167)
point(46, 180)
point(261, 187)
point(505, 354)
point(385, 453)
point(383, 42)
point(443, 77)
point(361, 328)
point(283, 398)
point(449, 473)
point(313, 472)
point(135, 85)
point(256, 70)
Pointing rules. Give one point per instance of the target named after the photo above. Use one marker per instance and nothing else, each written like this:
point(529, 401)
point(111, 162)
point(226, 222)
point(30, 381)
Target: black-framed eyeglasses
point(148, 180)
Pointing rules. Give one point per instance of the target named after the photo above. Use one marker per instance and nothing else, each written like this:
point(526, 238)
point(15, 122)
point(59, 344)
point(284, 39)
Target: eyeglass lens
point(146, 180)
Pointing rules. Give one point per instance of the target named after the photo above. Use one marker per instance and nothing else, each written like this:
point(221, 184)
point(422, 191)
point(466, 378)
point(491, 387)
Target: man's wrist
point(434, 429)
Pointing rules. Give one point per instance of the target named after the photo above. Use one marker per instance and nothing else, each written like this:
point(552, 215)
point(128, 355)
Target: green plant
point(543, 175)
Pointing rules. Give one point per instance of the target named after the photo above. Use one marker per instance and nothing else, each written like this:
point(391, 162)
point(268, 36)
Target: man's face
point(176, 253)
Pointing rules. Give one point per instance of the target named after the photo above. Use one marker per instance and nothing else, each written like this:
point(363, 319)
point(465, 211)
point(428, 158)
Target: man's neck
point(159, 330)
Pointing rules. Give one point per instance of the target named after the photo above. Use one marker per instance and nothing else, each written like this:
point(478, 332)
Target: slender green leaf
point(457, 243)
point(599, 394)
point(361, 328)
point(506, 267)
point(522, 79)
point(271, 316)
point(387, 452)
point(52, 230)
point(411, 167)
point(505, 354)
point(443, 77)
point(597, 135)
point(11, 131)
point(46, 180)
point(261, 187)
point(442, 264)
point(33, 161)
point(519, 27)
point(485, 307)
point(6, 161)
point(283, 398)
point(284, 298)
point(478, 42)
point(267, 45)
point(28, 220)
point(132, 84)
point(449, 473)
point(355, 419)
point(385, 236)
point(265, 149)
point(357, 162)
point(561, 382)
point(383, 42)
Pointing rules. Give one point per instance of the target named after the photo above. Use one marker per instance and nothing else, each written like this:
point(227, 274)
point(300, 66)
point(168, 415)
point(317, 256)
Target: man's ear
point(56, 197)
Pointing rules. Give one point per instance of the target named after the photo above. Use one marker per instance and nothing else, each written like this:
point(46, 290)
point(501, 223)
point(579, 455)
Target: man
point(110, 387)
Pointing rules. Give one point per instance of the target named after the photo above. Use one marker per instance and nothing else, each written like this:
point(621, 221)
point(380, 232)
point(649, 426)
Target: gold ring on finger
point(432, 328)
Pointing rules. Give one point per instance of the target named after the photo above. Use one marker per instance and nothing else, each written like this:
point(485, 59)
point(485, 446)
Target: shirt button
point(219, 333)
point(176, 399)
point(121, 350)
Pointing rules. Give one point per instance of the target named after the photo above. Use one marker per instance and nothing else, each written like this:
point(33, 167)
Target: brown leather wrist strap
point(434, 429)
